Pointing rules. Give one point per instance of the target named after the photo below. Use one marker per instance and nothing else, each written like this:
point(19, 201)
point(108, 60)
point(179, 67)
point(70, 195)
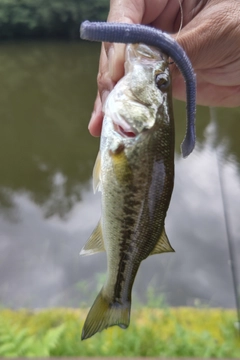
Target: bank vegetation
point(153, 332)
point(48, 19)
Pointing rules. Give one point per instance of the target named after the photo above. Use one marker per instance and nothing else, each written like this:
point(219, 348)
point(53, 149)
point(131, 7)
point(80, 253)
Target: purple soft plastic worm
point(133, 33)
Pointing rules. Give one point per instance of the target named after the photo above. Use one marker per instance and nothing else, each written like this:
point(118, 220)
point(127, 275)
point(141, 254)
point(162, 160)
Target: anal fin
point(95, 243)
point(163, 245)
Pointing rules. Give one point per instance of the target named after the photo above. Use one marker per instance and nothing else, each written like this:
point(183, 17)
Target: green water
point(47, 209)
point(47, 92)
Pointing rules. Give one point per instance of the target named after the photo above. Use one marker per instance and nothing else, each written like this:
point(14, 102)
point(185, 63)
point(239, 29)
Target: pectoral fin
point(97, 174)
point(95, 243)
point(163, 245)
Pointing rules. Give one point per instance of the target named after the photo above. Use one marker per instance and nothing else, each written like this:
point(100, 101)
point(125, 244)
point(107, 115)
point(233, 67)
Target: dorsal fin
point(163, 245)
point(97, 174)
point(95, 243)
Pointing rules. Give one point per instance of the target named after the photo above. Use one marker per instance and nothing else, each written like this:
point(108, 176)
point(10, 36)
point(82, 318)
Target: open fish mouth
point(125, 133)
point(122, 127)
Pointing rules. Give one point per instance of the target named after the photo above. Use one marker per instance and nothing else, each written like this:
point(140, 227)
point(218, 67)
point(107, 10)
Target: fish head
point(140, 99)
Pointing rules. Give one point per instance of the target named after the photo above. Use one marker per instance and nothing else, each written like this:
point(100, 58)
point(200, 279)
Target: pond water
point(47, 207)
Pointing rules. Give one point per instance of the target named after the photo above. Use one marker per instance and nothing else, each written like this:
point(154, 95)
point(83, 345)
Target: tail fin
point(104, 314)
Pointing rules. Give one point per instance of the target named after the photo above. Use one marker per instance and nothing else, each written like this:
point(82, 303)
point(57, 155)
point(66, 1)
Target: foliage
point(43, 18)
point(154, 299)
point(166, 332)
point(16, 341)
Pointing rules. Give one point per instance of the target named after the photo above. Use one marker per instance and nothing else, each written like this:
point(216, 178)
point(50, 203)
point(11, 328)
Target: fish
point(134, 171)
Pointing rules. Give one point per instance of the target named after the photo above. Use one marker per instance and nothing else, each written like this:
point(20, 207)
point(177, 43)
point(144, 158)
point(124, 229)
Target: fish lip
point(122, 127)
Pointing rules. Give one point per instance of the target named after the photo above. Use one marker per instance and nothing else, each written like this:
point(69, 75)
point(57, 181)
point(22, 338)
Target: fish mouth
point(120, 130)
point(122, 127)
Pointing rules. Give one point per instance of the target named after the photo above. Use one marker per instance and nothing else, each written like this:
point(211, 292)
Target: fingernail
point(111, 61)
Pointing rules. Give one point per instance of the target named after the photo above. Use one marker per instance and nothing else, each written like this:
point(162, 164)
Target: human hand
point(210, 36)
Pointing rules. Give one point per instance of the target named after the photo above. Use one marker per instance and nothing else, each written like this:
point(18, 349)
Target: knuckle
point(101, 80)
point(104, 82)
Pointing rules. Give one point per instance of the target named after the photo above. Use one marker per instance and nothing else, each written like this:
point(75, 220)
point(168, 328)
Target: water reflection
point(47, 209)
point(44, 112)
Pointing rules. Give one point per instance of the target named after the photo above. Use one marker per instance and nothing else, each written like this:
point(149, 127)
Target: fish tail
point(105, 313)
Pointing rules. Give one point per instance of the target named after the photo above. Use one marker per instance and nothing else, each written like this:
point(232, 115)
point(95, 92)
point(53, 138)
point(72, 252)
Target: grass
point(169, 332)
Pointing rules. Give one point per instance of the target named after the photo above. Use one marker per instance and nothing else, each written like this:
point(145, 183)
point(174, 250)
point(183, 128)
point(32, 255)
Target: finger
point(166, 18)
point(105, 83)
point(104, 86)
point(126, 11)
point(116, 58)
point(111, 64)
point(95, 123)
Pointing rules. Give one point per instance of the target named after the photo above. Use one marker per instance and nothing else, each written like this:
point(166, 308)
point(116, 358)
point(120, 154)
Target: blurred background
point(47, 206)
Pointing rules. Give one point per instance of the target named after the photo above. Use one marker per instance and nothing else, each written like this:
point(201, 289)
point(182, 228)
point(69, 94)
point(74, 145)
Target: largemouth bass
point(134, 171)
point(135, 166)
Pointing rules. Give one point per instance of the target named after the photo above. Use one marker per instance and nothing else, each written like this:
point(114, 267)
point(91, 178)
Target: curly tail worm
point(134, 33)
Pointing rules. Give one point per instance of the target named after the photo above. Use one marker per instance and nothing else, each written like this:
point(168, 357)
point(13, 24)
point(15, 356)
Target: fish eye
point(162, 81)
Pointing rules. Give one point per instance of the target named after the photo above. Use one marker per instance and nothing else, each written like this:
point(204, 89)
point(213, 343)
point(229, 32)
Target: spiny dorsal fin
point(163, 245)
point(95, 242)
point(97, 174)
